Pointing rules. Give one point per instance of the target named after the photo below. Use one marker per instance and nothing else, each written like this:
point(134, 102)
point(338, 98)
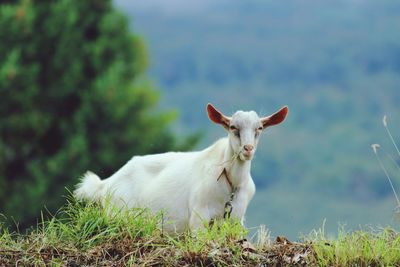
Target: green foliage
point(73, 97)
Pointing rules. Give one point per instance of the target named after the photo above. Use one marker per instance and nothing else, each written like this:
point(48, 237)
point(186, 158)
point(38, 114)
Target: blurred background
point(88, 84)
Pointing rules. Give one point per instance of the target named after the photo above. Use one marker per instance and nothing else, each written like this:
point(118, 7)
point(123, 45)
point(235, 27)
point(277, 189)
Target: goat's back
point(168, 176)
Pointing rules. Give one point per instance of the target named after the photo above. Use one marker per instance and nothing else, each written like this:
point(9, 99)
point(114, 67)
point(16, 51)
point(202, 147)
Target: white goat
point(191, 187)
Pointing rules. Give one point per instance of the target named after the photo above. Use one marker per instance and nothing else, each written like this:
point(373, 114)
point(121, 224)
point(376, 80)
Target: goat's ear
point(216, 116)
point(275, 118)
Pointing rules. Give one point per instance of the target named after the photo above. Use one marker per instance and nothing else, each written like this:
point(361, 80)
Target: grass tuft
point(359, 248)
point(375, 148)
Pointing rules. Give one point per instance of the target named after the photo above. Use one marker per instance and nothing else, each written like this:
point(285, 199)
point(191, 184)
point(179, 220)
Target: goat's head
point(244, 128)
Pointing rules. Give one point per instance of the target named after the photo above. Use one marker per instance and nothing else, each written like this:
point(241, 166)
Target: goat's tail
point(90, 187)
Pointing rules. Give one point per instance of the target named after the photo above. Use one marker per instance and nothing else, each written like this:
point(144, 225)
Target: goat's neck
point(238, 171)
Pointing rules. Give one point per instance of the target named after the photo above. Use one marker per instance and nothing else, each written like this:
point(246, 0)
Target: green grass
point(76, 230)
point(358, 248)
point(86, 234)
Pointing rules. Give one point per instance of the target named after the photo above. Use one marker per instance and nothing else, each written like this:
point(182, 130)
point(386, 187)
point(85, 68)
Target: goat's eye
point(235, 130)
point(258, 131)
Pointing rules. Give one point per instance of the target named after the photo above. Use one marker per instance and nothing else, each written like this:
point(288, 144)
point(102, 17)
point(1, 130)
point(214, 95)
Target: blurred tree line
point(73, 97)
point(336, 64)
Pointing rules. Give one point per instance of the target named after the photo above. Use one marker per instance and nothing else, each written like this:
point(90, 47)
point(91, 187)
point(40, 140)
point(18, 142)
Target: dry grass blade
point(384, 120)
point(375, 149)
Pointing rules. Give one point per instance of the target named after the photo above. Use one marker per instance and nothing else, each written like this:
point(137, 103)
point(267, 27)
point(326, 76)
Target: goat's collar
point(228, 205)
point(225, 173)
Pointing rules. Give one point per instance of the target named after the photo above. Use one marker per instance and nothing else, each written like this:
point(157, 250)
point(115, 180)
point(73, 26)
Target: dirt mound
point(125, 252)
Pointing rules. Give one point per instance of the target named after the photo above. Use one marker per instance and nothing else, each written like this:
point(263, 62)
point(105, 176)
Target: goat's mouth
point(243, 155)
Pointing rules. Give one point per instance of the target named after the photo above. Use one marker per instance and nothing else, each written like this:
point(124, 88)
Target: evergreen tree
point(73, 97)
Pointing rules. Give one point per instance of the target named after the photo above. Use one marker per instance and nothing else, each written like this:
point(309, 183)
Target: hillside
point(335, 64)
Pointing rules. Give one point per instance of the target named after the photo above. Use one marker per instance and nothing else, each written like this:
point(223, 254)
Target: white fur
point(184, 184)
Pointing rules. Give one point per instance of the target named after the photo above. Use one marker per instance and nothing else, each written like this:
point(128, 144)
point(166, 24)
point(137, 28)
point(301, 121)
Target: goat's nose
point(248, 148)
